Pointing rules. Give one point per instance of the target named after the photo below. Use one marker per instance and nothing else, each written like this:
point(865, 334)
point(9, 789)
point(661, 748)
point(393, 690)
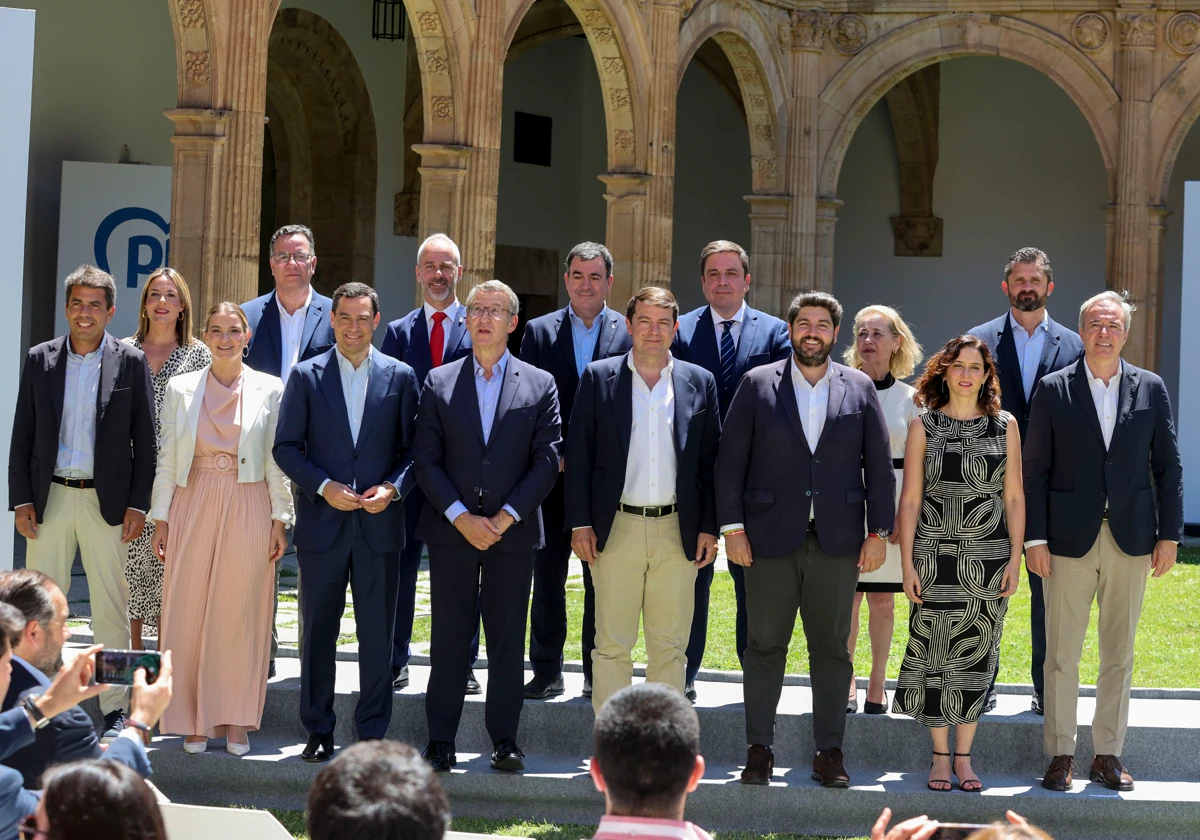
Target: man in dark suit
point(37, 656)
point(563, 343)
point(1103, 508)
point(287, 326)
point(1028, 344)
point(430, 336)
point(82, 460)
point(726, 338)
point(804, 437)
point(640, 495)
point(486, 452)
point(346, 424)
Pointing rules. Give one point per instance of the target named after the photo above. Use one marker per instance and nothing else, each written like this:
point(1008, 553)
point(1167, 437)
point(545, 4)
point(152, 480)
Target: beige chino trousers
point(643, 573)
point(1117, 582)
point(72, 520)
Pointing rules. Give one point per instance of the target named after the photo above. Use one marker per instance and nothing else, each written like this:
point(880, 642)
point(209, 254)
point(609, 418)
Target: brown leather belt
point(650, 512)
point(75, 483)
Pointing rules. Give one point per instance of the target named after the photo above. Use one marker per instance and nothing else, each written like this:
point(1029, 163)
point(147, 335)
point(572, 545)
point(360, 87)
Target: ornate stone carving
point(603, 35)
point(743, 59)
point(442, 108)
point(620, 98)
point(196, 66)
point(1183, 32)
point(764, 166)
point(917, 237)
point(849, 34)
point(785, 36)
point(1090, 31)
point(1138, 29)
point(593, 17)
point(191, 14)
point(763, 131)
point(808, 29)
point(436, 63)
point(623, 140)
point(750, 77)
point(756, 102)
point(430, 23)
point(613, 66)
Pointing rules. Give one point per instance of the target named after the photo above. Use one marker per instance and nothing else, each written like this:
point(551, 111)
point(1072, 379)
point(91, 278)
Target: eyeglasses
point(28, 829)
point(493, 312)
point(283, 258)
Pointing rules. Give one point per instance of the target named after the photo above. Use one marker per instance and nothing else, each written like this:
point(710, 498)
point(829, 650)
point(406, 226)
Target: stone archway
point(323, 135)
point(1173, 112)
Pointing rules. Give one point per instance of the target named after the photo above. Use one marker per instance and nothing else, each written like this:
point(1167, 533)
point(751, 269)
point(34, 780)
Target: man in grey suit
point(803, 437)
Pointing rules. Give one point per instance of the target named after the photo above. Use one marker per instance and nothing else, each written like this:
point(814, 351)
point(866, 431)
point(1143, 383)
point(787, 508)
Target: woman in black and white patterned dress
point(962, 521)
point(165, 336)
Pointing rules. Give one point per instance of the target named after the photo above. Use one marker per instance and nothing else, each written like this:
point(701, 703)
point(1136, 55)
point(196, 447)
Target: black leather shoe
point(990, 704)
point(473, 686)
point(587, 688)
point(399, 678)
point(319, 748)
point(508, 756)
point(440, 755)
point(540, 688)
point(689, 691)
point(1036, 706)
point(271, 670)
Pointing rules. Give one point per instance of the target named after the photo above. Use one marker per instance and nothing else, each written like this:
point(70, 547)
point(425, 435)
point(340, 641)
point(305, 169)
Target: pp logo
point(146, 252)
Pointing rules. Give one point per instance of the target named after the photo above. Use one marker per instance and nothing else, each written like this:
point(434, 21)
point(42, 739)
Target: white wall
point(1187, 168)
point(1019, 166)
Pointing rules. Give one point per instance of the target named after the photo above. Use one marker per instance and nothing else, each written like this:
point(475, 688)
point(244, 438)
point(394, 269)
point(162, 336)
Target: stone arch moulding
point(622, 80)
point(325, 143)
point(195, 62)
point(441, 79)
point(1173, 112)
point(864, 80)
point(755, 64)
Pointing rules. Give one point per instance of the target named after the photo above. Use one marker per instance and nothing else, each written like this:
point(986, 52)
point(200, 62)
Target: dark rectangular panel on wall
point(532, 134)
point(533, 273)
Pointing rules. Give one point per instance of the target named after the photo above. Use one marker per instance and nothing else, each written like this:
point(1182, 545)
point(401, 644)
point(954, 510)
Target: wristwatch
point(882, 533)
point(38, 719)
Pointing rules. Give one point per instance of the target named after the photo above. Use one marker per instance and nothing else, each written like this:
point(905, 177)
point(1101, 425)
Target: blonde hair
point(907, 356)
point(226, 308)
point(183, 327)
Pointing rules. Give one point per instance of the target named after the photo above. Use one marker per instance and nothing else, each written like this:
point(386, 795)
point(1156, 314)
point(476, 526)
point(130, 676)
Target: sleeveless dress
point(219, 582)
point(959, 554)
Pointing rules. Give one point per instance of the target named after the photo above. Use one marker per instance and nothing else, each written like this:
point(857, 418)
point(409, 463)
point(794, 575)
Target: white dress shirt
point(454, 312)
point(77, 432)
point(354, 392)
point(651, 467)
point(291, 334)
point(735, 329)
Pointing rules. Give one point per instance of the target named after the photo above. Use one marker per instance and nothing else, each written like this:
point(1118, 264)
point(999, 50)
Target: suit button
point(476, 490)
point(1109, 464)
point(1101, 494)
point(816, 460)
point(807, 492)
point(243, 460)
point(487, 463)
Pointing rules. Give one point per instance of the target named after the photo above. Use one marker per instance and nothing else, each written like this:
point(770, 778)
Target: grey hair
point(293, 230)
point(585, 251)
point(440, 237)
point(91, 277)
point(1030, 255)
point(514, 304)
point(1119, 298)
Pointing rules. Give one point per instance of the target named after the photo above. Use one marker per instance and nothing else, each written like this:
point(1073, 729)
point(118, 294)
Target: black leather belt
point(75, 483)
point(651, 512)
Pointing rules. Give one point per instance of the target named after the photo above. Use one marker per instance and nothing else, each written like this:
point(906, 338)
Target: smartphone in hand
point(955, 831)
point(116, 667)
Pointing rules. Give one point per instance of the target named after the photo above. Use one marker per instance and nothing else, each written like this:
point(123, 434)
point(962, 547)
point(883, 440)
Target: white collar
point(451, 310)
point(798, 376)
point(1093, 379)
point(303, 310)
point(665, 372)
point(738, 316)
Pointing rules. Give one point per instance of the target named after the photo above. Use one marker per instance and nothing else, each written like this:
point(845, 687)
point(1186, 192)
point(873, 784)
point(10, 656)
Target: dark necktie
point(437, 338)
point(728, 357)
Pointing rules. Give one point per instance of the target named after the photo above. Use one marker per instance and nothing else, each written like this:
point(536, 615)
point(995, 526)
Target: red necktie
point(437, 338)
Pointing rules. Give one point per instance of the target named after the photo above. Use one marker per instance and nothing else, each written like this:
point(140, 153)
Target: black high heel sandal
point(962, 785)
point(949, 786)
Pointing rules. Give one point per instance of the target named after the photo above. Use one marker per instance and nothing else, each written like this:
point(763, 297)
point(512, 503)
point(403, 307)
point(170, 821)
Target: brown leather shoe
point(1110, 772)
point(1058, 774)
point(829, 770)
point(760, 761)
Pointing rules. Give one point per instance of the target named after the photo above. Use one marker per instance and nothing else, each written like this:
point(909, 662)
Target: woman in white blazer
point(220, 507)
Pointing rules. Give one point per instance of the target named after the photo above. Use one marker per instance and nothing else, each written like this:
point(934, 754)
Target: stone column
point(624, 233)
point(443, 171)
point(1132, 248)
point(806, 38)
point(768, 250)
point(199, 144)
point(664, 89)
point(827, 209)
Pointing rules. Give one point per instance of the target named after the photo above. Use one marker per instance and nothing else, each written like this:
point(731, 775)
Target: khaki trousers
point(1117, 582)
point(643, 572)
point(72, 520)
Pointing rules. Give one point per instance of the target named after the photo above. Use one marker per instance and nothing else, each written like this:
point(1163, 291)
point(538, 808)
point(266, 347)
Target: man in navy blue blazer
point(726, 338)
point(487, 453)
point(1028, 345)
point(563, 343)
point(288, 325)
point(428, 337)
point(346, 424)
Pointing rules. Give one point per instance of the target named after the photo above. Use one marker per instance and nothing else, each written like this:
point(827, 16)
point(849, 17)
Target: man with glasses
point(486, 453)
point(433, 334)
point(287, 326)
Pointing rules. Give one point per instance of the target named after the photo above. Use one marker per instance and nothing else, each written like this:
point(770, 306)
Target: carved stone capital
point(1183, 32)
point(1090, 31)
point(808, 29)
point(849, 34)
point(1138, 29)
point(917, 237)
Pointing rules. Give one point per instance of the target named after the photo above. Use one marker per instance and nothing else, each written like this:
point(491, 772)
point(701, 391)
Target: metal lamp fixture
point(389, 19)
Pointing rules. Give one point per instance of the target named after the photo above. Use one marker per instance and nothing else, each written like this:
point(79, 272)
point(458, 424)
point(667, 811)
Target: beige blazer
point(180, 418)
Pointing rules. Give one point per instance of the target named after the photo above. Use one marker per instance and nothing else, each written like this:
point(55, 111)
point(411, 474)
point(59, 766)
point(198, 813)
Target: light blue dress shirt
point(1029, 349)
point(354, 392)
point(584, 338)
point(77, 432)
point(487, 392)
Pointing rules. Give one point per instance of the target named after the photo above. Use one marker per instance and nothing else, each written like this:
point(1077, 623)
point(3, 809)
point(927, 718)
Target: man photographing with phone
point(923, 828)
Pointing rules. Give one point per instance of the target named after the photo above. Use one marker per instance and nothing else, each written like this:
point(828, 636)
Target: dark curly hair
point(932, 391)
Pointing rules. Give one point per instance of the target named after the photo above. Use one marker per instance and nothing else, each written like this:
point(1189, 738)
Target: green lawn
point(1171, 612)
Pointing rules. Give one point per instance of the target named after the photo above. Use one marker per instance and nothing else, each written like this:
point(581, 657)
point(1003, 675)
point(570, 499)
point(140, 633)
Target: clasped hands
point(483, 532)
point(372, 500)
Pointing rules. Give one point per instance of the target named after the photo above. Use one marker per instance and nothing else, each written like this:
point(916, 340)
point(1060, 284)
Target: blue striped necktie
point(728, 357)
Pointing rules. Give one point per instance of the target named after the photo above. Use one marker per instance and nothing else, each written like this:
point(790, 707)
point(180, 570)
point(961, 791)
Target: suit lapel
point(468, 399)
point(1083, 396)
point(508, 393)
point(608, 331)
point(56, 360)
point(312, 320)
point(331, 388)
point(269, 330)
point(704, 343)
point(418, 341)
point(1010, 365)
point(193, 399)
point(685, 397)
point(746, 340)
point(621, 384)
point(837, 393)
point(1126, 398)
point(565, 343)
point(786, 396)
point(379, 380)
point(252, 402)
point(458, 329)
point(1049, 353)
point(110, 368)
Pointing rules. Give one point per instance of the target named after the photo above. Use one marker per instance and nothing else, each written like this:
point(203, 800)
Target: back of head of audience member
point(378, 790)
point(44, 610)
point(99, 800)
point(646, 757)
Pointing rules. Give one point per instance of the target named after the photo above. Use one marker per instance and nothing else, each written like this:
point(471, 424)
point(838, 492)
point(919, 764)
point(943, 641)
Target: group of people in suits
point(636, 440)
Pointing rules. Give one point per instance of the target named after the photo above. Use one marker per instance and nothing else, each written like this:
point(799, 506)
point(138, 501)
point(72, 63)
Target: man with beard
point(803, 437)
point(37, 656)
point(1027, 345)
point(432, 335)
